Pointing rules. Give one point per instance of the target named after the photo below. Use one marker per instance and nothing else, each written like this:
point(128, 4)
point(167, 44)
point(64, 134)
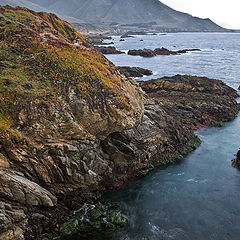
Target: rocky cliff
point(70, 122)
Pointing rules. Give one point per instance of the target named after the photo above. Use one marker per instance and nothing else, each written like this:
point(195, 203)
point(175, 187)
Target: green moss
point(69, 228)
point(116, 219)
point(216, 124)
point(194, 143)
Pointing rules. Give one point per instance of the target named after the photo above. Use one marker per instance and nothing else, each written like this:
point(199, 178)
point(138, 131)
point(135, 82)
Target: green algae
point(216, 124)
point(93, 221)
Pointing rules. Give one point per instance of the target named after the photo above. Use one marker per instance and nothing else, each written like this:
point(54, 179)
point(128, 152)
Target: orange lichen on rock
point(41, 60)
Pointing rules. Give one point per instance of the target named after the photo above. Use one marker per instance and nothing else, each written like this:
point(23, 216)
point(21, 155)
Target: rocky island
point(108, 50)
point(71, 125)
point(158, 51)
point(134, 71)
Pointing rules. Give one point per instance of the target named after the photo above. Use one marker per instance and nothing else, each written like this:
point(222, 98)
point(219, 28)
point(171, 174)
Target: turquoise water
point(198, 198)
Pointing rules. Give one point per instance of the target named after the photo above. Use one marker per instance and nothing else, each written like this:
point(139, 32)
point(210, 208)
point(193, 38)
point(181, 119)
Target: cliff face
point(59, 99)
point(69, 121)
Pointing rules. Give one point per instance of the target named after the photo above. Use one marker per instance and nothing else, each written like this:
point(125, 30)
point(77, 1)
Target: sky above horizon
point(223, 12)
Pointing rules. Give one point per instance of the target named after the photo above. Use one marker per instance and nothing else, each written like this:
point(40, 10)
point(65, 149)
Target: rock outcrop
point(158, 51)
point(59, 101)
point(195, 101)
point(134, 71)
point(108, 50)
point(70, 123)
point(98, 39)
point(236, 161)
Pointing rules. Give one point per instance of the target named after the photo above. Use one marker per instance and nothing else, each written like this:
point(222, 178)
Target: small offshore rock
point(158, 51)
point(134, 71)
point(236, 161)
point(108, 50)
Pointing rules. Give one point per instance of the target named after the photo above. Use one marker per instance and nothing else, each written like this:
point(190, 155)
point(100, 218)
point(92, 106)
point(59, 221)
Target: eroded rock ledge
point(70, 128)
point(195, 101)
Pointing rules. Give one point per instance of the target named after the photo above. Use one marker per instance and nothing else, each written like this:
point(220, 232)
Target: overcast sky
point(224, 12)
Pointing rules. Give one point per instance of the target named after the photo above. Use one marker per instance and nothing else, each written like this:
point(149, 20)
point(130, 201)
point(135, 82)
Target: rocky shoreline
point(165, 105)
point(72, 126)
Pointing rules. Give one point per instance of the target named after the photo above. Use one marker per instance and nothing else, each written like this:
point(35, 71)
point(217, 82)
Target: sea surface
point(198, 198)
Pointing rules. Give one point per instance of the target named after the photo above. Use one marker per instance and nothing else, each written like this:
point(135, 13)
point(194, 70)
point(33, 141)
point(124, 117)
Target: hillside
point(133, 13)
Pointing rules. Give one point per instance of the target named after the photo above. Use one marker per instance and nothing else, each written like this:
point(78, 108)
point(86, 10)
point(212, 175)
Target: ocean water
point(219, 56)
point(198, 198)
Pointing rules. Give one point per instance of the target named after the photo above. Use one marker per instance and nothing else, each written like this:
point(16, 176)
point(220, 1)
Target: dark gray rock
point(158, 51)
point(134, 71)
point(108, 50)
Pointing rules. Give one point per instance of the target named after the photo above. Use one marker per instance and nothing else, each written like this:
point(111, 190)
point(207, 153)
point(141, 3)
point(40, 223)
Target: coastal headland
point(72, 126)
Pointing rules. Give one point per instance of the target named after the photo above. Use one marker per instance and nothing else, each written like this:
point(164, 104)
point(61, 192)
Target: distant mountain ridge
point(128, 13)
point(24, 3)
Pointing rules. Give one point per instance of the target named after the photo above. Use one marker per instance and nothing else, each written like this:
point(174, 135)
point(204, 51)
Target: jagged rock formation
point(70, 121)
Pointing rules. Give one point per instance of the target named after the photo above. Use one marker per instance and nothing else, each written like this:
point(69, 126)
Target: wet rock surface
point(134, 71)
point(158, 51)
